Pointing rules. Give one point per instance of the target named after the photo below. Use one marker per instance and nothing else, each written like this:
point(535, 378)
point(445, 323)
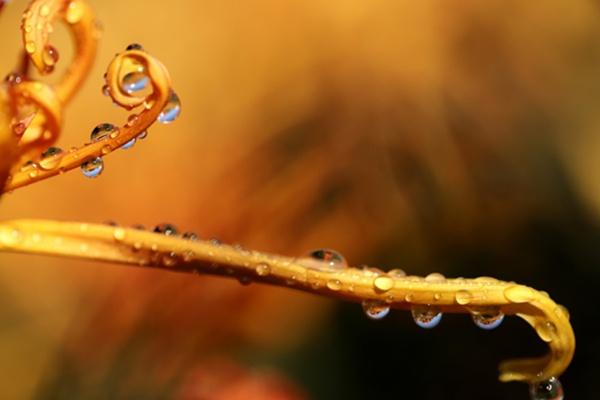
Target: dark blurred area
point(458, 138)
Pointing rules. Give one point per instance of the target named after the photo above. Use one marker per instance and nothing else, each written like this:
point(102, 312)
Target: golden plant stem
point(148, 249)
point(152, 106)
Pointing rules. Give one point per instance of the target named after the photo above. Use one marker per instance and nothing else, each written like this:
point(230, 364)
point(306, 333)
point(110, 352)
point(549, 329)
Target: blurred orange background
point(403, 134)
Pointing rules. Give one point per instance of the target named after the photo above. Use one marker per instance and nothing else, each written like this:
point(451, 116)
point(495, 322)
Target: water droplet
point(397, 273)
point(546, 330)
point(132, 120)
point(245, 280)
point(166, 229)
point(560, 309)
point(383, 283)
point(409, 297)
point(546, 390)
point(135, 81)
point(30, 47)
point(13, 78)
point(128, 145)
point(11, 237)
point(50, 56)
point(334, 284)
point(435, 277)
point(331, 258)
point(134, 46)
point(171, 110)
point(106, 90)
point(74, 12)
point(92, 168)
point(44, 10)
point(102, 131)
point(519, 294)
point(463, 297)
point(263, 269)
point(119, 234)
point(190, 236)
point(426, 317)
point(487, 318)
point(142, 135)
point(51, 158)
point(169, 259)
point(375, 309)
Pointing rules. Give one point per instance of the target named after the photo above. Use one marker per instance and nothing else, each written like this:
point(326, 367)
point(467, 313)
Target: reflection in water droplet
point(263, 269)
point(426, 317)
point(51, 158)
point(171, 110)
point(102, 131)
point(547, 390)
point(375, 309)
point(166, 229)
point(128, 145)
point(330, 257)
point(135, 81)
point(487, 318)
point(92, 168)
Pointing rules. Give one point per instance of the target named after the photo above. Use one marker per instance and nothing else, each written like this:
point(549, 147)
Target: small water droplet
point(166, 229)
point(426, 316)
point(435, 277)
point(519, 294)
point(245, 280)
point(547, 390)
point(190, 236)
point(171, 110)
point(134, 46)
point(560, 309)
point(142, 135)
point(92, 168)
point(263, 269)
point(30, 47)
point(74, 12)
point(129, 144)
point(169, 259)
point(397, 273)
point(119, 234)
point(546, 330)
point(409, 297)
point(487, 318)
point(102, 131)
point(334, 284)
point(50, 56)
point(375, 309)
point(44, 10)
point(383, 283)
point(106, 90)
point(330, 257)
point(135, 81)
point(463, 297)
point(51, 158)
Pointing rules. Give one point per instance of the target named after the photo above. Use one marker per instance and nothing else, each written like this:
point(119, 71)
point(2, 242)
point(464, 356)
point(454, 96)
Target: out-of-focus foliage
point(453, 137)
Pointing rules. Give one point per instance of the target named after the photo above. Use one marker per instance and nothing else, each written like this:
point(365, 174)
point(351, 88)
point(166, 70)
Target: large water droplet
point(50, 57)
point(92, 168)
point(332, 258)
point(426, 317)
point(546, 390)
point(519, 294)
point(166, 229)
point(51, 158)
point(135, 81)
point(375, 309)
point(435, 277)
point(171, 110)
point(397, 273)
point(487, 318)
point(102, 131)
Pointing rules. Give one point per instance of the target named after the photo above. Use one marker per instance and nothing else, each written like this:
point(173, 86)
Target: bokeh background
point(458, 137)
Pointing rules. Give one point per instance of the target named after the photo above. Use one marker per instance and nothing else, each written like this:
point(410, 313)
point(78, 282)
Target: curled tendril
point(37, 24)
point(130, 246)
point(152, 105)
